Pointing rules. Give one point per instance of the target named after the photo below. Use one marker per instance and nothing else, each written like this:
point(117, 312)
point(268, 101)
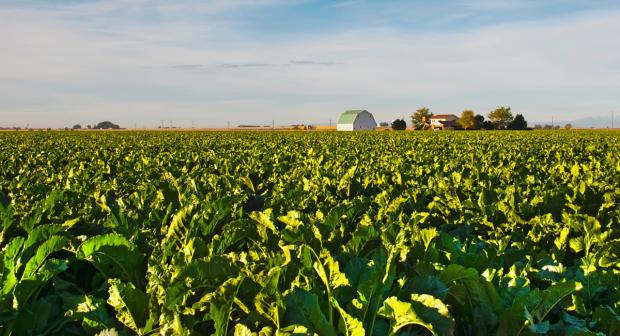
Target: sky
point(138, 62)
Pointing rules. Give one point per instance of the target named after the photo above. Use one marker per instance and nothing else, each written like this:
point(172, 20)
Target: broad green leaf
point(8, 276)
point(485, 320)
point(512, 289)
point(131, 305)
point(295, 330)
point(112, 251)
point(530, 310)
point(300, 233)
point(231, 234)
point(361, 236)
point(89, 309)
point(606, 320)
point(302, 308)
point(37, 237)
point(222, 302)
point(265, 222)
point(35, 319)
point(50, 246)
point(427, 236)
point(360, 306)
point(425, 284)
point(334, 278)
point(348, 325)
point(573, 331)
point(469, 288)
point(423, 310)
point(269, 301)
point(457, 272)
point(199, 275)
point(28, 286)
point(241, 330)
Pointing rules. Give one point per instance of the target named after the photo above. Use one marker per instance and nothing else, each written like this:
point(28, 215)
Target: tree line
point(101, 125)
point(498, 119)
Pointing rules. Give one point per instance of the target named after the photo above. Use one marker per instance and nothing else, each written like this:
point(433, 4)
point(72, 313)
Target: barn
point(356, 120)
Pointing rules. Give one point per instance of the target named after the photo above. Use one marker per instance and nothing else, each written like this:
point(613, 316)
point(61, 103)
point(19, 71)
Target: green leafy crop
point(313, 233)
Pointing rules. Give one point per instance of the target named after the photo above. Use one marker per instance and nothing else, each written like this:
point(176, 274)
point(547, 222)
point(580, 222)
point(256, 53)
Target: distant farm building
point(356, 120)
point(444, 121)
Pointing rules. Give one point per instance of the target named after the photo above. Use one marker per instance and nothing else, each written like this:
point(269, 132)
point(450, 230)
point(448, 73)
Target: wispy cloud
point(229, 66)
point(505, 4)
point(187, 66)
point(313, 63)
point(344, 4)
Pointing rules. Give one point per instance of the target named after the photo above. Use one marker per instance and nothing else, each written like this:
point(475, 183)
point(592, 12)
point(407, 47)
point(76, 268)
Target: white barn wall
point(363, 122)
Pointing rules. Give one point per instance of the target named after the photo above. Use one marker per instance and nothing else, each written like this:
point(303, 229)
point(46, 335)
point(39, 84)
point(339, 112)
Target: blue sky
point(252, 61)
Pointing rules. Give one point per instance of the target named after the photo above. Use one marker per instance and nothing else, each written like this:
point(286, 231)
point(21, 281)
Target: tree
point(467, 120)
point(501, 117)
point(384, 124)
point(77, 126)
point(88, 126)
point(568, 127)
point(519, 123)
point(487, 125)
point(421, 117)
point(479, 121)
point(106, 125)
point(399, 125)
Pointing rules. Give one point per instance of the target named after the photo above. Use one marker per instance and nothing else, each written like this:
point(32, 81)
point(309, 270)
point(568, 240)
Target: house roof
point(348, 117)
point(443, 116)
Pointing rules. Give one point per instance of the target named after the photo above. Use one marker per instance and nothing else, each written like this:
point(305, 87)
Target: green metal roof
point(348, 117)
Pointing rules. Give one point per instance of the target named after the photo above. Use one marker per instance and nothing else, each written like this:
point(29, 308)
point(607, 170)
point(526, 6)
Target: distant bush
point(399, 125)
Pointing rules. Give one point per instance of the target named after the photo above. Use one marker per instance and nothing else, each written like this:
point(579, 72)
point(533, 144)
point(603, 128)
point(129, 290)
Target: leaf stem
point(330, 307)
point(374, 316)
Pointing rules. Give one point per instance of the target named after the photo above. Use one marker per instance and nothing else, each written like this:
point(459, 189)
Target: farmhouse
point(444, 121)
point(356, 120)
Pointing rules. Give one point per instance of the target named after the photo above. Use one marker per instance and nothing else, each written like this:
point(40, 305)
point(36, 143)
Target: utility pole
point(162, 124)
point(192, 125)
point(135, 126)
point(612, 120)
point(229, 125)
point(273, 124)
point(330, 122)
point(170, 123)
point(552, 126)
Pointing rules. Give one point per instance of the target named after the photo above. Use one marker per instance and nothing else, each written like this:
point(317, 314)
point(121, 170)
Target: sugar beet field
point(314, 233)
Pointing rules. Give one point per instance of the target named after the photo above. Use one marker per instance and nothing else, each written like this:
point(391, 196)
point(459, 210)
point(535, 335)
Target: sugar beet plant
point(467, 233)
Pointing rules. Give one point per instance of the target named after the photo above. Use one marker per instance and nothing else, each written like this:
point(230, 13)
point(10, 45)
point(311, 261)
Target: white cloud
point(345, 3)
point(187, 66)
